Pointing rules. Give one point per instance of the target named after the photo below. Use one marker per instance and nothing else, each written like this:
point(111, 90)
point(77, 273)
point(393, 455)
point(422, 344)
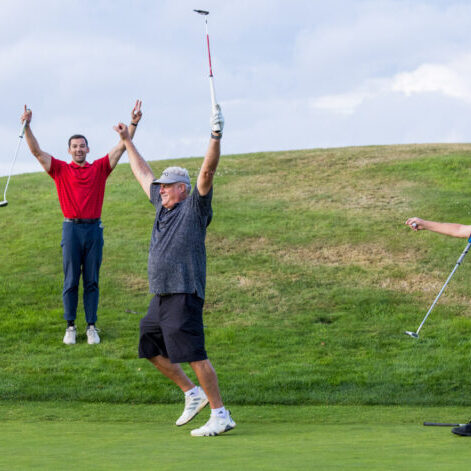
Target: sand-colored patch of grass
point(134, 283)
point(364, 255)
point(375, 257)
point(321, 180)
point(370, 256)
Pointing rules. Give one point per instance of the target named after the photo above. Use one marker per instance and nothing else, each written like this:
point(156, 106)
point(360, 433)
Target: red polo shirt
point(80, 189)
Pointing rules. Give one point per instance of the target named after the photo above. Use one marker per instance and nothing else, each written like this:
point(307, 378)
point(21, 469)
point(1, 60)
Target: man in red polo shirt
point(81, 189)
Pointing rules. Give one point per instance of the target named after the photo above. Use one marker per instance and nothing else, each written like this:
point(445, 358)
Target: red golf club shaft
point(209, 52)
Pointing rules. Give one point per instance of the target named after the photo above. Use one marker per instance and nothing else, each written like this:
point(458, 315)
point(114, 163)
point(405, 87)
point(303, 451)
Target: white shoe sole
point(197, 411)
point(227, 429)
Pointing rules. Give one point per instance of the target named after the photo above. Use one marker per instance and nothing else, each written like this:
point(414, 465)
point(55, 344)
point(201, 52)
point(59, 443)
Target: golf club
point(5, 202)
point(440, 424)
point(415, 334)
point(211, 80)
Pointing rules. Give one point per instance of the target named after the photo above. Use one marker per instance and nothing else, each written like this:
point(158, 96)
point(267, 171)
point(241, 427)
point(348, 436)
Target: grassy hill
point(312, 279)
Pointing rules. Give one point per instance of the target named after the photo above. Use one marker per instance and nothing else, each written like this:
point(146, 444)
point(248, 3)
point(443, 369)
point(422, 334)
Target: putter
point(22, 133)
point(211, 80)
point(415, 334)
point(441, 424)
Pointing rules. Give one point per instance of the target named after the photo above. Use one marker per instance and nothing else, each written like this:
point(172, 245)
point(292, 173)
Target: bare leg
point(209, 381)
point(172, 371)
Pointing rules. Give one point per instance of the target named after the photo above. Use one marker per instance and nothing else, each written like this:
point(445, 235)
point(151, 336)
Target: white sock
point(220, 412)
point(193, 391)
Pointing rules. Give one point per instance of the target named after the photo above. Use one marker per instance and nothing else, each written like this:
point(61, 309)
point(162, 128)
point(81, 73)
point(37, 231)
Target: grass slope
point(312, 279)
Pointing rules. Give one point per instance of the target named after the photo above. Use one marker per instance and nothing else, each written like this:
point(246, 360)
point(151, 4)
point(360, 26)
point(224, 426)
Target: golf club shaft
point(213, 93)
point(211, 76)
point(441, 424)
point(458, 263)
point(22, 133)
point(209, 49)
point(211, 79)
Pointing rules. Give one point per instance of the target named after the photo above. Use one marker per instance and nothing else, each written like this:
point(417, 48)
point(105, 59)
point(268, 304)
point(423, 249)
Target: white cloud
point(370, 40)
point(343, 103)
point(451, 79)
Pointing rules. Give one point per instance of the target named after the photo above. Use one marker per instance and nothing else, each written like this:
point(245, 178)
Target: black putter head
point(415, 335)
point(3, 203)
point(202, 12)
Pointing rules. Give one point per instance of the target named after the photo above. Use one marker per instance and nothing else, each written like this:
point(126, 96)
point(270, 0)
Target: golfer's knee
point(90, 286)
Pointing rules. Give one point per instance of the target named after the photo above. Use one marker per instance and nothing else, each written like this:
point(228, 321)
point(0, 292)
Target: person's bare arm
point(43, 157)
point(446, 228)
point(118, 150)
point(140, 168)
point(211, 159)
point(208, 169)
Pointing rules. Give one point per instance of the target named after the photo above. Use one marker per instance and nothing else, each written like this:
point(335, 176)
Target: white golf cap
point(173, 175)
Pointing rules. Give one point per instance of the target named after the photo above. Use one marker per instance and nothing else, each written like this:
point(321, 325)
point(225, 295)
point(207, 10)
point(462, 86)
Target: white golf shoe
point(92, 335)
point(70, 335)
point(215, 426)
point(193, 405)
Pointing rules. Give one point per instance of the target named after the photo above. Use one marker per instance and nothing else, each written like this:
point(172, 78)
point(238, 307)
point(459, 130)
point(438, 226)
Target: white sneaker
point(70, 335)
point(215, 426)
point(193, 405)
point(92, 335)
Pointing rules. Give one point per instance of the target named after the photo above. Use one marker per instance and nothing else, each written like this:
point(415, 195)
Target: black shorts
point(173, 328)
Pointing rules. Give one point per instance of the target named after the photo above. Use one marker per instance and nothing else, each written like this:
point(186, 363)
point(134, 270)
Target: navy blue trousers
point(82, 251)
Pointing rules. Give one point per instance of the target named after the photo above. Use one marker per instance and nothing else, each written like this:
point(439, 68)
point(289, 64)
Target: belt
point(82, 221)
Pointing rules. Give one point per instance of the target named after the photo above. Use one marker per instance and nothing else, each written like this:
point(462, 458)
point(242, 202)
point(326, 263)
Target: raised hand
point(122, 130)
point(136, 113)
point(27, 115)
point(217, 119)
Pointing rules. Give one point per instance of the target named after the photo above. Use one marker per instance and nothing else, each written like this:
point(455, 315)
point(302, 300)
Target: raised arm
point(211, 159)
point(43, 157)
point(139, 166)
point(117, 151)
point(446, 228)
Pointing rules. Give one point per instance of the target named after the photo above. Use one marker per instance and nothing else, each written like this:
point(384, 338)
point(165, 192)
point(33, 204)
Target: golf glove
point(217, 120)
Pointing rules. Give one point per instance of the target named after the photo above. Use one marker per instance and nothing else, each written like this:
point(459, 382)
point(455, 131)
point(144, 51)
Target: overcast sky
point(289, 74)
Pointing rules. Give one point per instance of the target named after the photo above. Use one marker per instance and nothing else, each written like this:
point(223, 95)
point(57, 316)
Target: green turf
point(78, 436)
point(312, 280)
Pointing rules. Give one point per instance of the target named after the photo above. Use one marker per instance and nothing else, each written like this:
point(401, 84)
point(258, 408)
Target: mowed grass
point(312, 280)
point(55, 436)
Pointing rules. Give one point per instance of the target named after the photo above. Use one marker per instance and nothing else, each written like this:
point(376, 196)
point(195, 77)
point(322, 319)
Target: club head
point(202, 12)
point(3, 203)
point(415, 335)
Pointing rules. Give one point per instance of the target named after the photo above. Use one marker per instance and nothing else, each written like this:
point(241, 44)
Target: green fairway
point(312, 280)
point(118, 437)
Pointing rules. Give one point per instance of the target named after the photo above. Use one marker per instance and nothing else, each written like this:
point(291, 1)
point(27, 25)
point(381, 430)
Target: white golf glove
point(217, 120)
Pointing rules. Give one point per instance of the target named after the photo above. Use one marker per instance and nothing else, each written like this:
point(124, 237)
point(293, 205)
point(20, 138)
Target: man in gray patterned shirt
point(172, 331)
